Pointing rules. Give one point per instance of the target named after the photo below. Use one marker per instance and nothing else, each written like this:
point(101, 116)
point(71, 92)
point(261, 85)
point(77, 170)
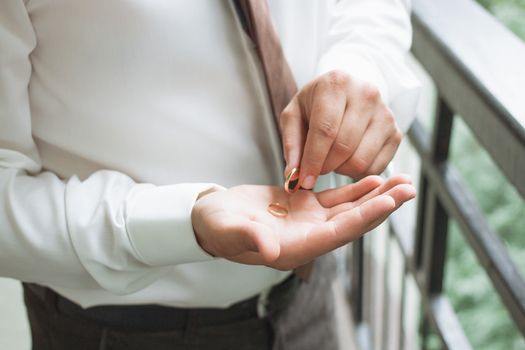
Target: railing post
point(432, 219)
point(356, 286)
point(492, 109)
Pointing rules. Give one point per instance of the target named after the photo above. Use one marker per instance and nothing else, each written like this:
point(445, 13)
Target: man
point(127, 127)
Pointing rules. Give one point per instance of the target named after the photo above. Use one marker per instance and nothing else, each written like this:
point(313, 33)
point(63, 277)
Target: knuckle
point(360, 166)
point(344, 169)
point(342, 146)
point(398, 136)
point(337, 78)
point(389, 117)
point(378, 169)
point(370, 93)
point(288, 146)
point(325, 129)
point(285, 116)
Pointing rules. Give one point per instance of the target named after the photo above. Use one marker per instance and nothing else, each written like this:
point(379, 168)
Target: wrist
point(198, 221)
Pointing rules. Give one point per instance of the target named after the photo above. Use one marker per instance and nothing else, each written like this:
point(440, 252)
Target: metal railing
point(478, 67)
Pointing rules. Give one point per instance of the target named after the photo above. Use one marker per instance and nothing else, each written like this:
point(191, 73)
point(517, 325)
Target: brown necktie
point(279, 79)
point(281, 86)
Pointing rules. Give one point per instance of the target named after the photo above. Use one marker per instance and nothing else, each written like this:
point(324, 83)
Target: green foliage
point(484, 318)
point(510, 12)
point(486, 322)
point(432, 341)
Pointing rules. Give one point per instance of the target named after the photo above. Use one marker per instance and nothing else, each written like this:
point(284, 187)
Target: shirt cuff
point(357, 66)
point(159, 227)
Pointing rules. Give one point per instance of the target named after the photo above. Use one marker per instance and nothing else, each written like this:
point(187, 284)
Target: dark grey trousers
point(306, 323)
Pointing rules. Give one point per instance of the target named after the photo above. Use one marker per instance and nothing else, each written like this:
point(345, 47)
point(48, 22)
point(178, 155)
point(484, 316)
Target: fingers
point(369, 147)
point(350, 134)
point(385, 187)
point(349, 225)
point(401, 193)
point(352, 224)
point(385, 155)
point(325, 115)
point(340, 124)
point(293, 131)
point(348, 193)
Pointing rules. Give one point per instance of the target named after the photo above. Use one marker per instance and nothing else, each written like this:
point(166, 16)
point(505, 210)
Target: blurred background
point(447, 271)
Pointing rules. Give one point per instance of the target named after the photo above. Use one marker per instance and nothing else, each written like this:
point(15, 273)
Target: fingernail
point(308, 182)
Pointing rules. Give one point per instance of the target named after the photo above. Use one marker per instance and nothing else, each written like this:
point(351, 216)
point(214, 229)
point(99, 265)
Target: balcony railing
point(478, 67)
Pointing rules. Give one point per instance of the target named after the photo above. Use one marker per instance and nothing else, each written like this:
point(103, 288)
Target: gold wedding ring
point(277, 209)
point(291, 183)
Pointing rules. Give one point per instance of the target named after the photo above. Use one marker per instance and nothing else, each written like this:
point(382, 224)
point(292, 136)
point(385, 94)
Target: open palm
point(235, 223)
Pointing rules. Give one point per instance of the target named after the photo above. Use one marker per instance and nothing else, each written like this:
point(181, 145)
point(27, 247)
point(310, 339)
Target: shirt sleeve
point(369, 39)
point(106, 231)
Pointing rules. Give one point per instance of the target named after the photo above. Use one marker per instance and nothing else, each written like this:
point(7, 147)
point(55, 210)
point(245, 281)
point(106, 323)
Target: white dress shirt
point(115, 115)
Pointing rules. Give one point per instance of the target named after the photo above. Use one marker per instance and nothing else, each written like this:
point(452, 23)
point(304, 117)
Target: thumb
point(260, 239)
point(293, 131)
